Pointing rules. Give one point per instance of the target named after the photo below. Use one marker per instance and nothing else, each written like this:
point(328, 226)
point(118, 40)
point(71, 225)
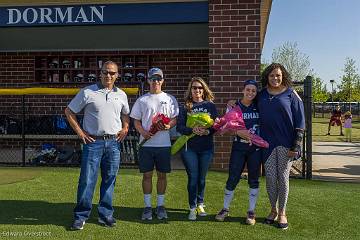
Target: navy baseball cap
point(251, 82)
point(155, 71)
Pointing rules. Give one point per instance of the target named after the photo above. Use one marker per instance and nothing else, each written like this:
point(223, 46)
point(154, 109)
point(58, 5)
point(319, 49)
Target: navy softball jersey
point(251, 118)
point(197, 143)
point(280, 115)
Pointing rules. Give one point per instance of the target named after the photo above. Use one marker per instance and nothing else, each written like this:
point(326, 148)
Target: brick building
point(61, 44)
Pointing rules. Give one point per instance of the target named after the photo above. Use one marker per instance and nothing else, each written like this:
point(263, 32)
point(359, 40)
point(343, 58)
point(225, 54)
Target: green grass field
point(43, 206)
point(320, 129)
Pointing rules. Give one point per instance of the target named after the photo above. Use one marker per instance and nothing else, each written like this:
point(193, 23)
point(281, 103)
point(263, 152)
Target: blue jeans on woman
point(197, 164)
point(106, 155)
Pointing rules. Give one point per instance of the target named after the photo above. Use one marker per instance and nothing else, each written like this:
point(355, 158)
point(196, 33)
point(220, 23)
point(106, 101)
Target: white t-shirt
point(146, 107)
point(102, 109)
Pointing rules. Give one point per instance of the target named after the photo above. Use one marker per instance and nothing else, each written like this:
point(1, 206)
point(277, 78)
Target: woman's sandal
point(271, 218)
point(283, 226)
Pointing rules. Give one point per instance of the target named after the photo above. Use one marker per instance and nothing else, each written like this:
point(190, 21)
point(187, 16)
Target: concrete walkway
point(336, 161)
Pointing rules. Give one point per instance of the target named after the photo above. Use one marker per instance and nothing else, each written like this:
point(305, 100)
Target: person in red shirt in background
point(336, 119)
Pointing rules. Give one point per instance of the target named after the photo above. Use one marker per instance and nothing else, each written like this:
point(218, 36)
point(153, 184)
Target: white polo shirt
point(102, 109)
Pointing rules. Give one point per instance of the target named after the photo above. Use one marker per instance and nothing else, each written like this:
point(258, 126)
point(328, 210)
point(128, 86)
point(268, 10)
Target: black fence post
point(23, 130)
point(308, 124)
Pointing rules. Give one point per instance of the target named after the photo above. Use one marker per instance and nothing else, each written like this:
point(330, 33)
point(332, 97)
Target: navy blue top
point(251, 118)
point(197, 143)
point(280, 115)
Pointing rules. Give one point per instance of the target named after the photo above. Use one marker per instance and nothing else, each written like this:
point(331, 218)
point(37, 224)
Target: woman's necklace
point(274, 92)
point(271, 97)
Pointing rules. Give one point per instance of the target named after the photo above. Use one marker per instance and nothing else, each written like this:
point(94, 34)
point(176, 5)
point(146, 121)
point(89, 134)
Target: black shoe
point(328, 134)
point(107, 222)
point(271, 221)
point(283, 226)
point(78, 225)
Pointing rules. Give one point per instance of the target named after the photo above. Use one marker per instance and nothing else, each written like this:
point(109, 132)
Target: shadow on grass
point(346, 169)
point(21, 212)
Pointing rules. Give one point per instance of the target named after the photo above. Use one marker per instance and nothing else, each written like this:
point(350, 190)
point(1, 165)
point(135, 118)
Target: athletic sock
point(147, 200)
point(160, 199)
point(253, 195)
point(228, 196)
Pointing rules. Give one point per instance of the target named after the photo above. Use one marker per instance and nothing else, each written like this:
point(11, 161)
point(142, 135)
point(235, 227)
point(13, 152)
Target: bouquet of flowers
point(158, 120)
point(200, 119)
point(233, 121)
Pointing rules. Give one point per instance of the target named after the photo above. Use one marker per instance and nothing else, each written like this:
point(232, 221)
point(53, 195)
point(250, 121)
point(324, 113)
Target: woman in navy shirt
point(282, 124)
point(199, 150)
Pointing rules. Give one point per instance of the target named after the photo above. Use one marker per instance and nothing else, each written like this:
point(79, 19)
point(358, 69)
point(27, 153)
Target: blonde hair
point(347, 114)
point(207, 93)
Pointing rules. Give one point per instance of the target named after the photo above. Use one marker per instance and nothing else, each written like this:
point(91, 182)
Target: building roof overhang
point(265, 7)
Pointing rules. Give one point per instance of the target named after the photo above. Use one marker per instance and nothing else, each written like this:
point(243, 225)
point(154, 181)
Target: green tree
point(263, 66)
point(349, 88)
point(320, 94)
point(295, 62)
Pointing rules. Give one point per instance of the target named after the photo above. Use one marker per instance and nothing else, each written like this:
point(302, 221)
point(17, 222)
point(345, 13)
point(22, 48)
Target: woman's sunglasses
point(196, 87)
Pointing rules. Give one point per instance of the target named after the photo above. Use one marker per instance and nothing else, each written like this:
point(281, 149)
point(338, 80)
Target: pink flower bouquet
point(233, 121)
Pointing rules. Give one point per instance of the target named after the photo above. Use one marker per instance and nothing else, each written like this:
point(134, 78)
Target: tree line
point(298, 65)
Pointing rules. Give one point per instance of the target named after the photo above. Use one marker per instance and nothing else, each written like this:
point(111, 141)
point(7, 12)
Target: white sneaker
point(192, 214)
point(201, 211)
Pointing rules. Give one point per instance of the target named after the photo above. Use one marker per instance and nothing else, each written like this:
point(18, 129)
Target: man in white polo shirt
point(105, 123)
point(156, 150)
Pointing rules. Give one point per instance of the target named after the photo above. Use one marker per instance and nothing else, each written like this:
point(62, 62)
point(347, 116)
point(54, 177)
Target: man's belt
point(104, 137)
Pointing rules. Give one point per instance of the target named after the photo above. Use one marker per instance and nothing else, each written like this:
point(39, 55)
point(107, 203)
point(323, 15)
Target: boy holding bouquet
point(155, 152)
point(244, 152)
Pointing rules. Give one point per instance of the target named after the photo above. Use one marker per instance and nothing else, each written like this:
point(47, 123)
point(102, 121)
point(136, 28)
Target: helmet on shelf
point(79, 77)
point(54, 63)
point(128, 65)
point(127, 77)
point(66, 63)
point(140, 77)
point(92, 77)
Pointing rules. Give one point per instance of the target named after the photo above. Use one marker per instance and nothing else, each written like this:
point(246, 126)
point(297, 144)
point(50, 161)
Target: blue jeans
point(197, 165)
point(106, 155)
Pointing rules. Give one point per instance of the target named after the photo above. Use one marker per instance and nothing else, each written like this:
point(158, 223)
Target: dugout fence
point(34, 130)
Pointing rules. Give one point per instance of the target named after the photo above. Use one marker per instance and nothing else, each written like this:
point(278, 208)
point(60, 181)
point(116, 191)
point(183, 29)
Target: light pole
point(332, 90)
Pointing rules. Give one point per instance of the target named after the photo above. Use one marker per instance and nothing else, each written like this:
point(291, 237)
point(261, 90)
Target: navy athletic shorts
point(158, 157)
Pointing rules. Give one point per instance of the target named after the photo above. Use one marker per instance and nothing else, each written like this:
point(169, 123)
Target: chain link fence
point(323, 110)
point(34, 132)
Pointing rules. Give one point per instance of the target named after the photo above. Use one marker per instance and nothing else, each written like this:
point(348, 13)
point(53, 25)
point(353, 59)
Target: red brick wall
point(234, 56)
point(17, 70)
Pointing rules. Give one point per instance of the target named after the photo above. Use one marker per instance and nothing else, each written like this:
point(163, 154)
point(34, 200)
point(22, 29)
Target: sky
point(327, 31)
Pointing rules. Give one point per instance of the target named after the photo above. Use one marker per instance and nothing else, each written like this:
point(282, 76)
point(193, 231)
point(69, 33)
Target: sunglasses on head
point(105, 72)
point(155, 78)
point(197, 87)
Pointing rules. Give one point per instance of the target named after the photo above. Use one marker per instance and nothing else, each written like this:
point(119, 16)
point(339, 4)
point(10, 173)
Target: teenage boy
point(156, 150)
